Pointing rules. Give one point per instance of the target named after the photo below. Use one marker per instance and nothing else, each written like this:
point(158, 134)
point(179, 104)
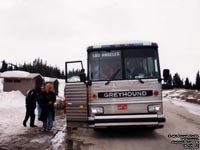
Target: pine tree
point(4, 66)
point(187, 84)
point(169, 82)
point(177, 82)
point(197, 84)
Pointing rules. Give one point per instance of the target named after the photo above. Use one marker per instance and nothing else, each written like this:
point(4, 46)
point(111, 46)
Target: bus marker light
point(155, 93)
point(81, 106)
point(122, 107)
point(94, 96)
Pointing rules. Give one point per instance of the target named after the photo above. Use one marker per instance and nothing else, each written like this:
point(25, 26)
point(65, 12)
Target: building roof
point(48, 79)
point(19, 74)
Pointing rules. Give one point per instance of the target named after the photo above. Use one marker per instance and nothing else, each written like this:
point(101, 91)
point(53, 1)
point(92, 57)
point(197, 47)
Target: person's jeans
point(48, 122)
point(39, 110)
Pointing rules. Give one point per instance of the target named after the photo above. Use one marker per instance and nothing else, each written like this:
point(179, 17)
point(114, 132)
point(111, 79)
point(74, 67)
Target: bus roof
point(121, 45)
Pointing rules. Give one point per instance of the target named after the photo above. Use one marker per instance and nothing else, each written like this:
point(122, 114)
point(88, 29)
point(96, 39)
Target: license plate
point(122, 107)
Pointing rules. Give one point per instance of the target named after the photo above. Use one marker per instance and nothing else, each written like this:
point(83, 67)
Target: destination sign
point(120, 94)
point(106, 54)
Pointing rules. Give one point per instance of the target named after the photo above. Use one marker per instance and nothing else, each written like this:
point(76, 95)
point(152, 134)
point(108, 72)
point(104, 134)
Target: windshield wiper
point(113, 76)
point(140, 80)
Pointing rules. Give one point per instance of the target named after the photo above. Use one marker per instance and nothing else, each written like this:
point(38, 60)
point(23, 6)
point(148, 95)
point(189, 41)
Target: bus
point(122, 87)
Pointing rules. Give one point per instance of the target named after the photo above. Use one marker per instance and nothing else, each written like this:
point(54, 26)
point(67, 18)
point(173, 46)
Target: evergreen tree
point(177, 82)
point(197, 83)
point(187, 84)
point(37, 66)
point(169, 82)
point(4, 66)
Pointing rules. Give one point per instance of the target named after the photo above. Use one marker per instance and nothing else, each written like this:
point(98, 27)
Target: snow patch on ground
point(190, 107)
point(59, 139)
point(176, 97)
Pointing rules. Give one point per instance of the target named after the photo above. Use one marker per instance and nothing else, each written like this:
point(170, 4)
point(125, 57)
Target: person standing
point(31, 98)
point(48, 110)
point(40, 100)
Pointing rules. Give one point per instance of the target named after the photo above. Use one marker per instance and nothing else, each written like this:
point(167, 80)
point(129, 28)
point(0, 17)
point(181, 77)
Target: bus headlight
point(97, 110)
point(154, 108)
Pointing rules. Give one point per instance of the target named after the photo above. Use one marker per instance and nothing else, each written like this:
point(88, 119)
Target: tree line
point(177, 82)
point(37, 66)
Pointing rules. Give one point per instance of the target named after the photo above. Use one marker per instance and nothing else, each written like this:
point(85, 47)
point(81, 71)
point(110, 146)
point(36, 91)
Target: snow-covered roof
point(18, 74)
point(73, 79)
point(48, 79)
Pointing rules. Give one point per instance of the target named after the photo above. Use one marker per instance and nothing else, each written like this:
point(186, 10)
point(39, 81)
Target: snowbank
point(190, 107)
point(192, 96)
point(12, 110)
point(188, 99)
point(12, 99)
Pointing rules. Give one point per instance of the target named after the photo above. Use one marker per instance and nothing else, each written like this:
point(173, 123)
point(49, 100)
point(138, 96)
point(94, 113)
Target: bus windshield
point(105, 65)
point(141, 63)
point(126, 64)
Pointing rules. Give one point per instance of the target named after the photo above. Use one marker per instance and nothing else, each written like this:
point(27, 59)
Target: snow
point(16, 74)
point(12, 99)
point(73, 79)
point(61, 87)
point(175, 97)
point(190, 107)
point(59, 139)
point(12, 110)
point(48, 79)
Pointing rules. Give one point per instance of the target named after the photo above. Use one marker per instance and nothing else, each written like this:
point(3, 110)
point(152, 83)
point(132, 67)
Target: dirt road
point(179, 122)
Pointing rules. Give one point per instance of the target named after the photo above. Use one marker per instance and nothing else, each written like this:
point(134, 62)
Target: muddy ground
point(33, 138)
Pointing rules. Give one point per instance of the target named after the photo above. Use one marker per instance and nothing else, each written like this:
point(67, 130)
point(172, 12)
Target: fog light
point(154, 108)
point(97, 110)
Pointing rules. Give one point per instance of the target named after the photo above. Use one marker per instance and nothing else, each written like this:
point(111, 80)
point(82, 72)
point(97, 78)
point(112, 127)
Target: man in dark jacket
point(48, 111)
point(30, 107)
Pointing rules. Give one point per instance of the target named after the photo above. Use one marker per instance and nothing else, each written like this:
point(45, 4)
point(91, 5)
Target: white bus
point(122, 87)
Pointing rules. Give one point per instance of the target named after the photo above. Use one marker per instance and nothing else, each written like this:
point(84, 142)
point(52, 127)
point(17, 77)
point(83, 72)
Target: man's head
point(48, 87)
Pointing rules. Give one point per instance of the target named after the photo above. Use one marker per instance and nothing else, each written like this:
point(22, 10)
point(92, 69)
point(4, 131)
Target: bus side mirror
point(166, 74)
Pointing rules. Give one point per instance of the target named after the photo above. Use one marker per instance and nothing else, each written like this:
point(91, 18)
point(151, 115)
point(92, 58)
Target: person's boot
point(24, 123)
point(33, 126)
point(32, 122)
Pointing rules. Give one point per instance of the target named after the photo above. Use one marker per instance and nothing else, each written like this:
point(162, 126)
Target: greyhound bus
point(122, 87)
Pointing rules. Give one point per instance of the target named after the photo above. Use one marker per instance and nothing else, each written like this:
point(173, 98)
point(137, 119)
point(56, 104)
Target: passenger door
point(76, 95)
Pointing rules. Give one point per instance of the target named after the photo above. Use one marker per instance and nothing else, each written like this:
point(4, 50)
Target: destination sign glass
point(105, 54)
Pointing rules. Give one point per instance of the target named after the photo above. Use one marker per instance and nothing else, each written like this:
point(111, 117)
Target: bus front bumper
point(152, 120)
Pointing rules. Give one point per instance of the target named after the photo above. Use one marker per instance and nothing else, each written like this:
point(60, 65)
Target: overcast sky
point(61, 30)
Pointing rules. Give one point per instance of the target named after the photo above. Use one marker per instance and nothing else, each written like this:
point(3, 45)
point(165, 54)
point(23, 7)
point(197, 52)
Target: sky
point(61, 30)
